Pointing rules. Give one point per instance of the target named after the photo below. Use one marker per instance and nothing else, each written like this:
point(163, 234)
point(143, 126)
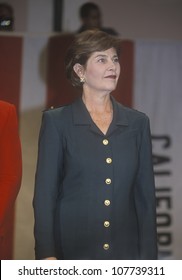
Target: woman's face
point(102, 71)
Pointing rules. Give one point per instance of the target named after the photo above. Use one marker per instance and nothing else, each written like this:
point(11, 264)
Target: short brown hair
point(82, 47)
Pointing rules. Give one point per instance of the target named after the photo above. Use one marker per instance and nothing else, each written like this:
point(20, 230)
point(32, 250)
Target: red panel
point(10, 69)
point(124, 90)
point(59, 89)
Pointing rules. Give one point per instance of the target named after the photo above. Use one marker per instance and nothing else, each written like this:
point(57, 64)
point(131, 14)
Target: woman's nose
point(112, 65)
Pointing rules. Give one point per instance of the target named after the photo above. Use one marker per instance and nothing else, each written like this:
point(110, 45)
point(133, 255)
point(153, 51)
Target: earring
point(82, 80)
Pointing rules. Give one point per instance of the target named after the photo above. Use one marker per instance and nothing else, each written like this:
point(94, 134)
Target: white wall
point(135, 19)
point(33, 78)
point(40, 16)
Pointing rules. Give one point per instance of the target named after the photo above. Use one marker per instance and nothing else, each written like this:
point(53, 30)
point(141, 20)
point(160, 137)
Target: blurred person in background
point(91, 18)
point(6, 17)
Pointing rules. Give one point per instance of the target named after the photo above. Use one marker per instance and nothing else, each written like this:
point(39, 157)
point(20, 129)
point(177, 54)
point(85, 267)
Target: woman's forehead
point(107, 52)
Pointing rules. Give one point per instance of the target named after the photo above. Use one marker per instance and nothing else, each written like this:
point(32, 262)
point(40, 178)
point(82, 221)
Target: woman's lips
point(111, 77)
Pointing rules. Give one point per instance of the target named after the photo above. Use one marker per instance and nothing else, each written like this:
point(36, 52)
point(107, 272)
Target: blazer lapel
point(120, 120)
point(81, 116)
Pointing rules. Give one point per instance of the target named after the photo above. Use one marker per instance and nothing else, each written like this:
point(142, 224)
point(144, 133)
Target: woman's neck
point(100, 110)
point(97, 103)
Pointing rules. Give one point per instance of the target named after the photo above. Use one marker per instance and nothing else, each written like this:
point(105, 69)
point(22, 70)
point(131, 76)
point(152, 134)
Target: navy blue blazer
point(94, 193)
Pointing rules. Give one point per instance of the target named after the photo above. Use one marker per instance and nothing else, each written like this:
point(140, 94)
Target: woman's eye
point(116, 59)
point(101, 60)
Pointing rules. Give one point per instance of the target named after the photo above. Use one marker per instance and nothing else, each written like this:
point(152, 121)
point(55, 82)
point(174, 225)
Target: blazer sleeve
point(10, 162)
point(145, 197)
point(47, 187)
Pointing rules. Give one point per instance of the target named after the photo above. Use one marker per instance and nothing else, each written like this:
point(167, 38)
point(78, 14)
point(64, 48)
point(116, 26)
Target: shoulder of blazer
point(134, 112)
point(52, 108)
point(59, 115)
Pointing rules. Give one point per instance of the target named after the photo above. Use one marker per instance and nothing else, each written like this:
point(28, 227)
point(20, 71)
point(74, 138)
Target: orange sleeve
point(10, 161)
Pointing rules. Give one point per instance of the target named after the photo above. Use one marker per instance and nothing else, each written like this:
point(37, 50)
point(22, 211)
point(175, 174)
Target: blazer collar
point(82, 116)
point(119, 113)
point(80, 113)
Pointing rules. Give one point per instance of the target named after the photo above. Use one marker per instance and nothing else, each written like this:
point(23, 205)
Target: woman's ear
point(78, 68)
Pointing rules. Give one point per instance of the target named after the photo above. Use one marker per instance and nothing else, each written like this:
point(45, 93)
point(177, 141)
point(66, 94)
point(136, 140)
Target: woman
point(94, 189)
point(10, 174)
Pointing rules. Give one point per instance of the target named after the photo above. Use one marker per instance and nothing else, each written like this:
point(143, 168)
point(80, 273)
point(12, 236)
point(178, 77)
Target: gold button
point(108, 181)
point(108, 160)
point(106, 246)
point(107, 202)
point(106, 223)
point(105, 142)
